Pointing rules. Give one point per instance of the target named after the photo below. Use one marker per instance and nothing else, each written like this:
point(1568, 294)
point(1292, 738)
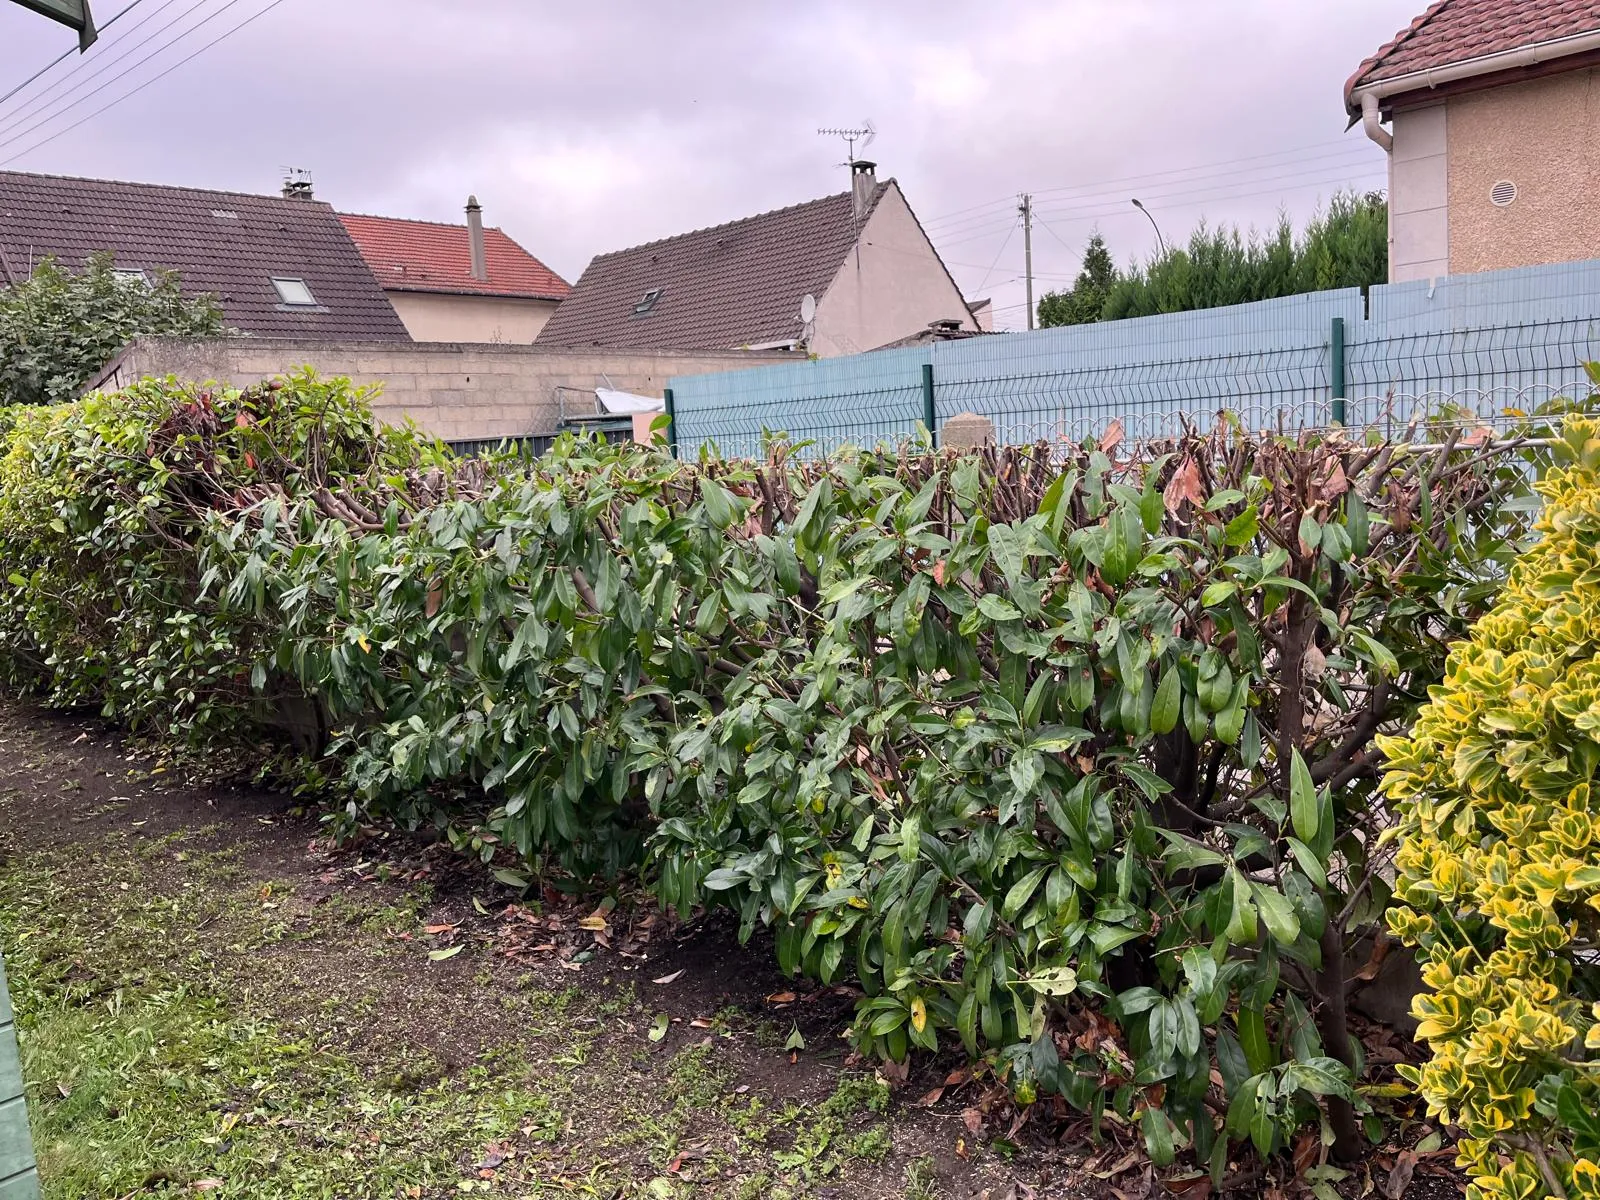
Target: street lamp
point(73, 13)
point(1160, 241)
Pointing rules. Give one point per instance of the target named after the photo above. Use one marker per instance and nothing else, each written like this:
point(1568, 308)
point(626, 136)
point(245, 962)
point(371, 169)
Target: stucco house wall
point(455, 392)
point(891, 283)
point(1543, 135)
point(440, 317)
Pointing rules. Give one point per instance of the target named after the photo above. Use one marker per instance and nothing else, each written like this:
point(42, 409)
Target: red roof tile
point(424, 256)
point(1454, 31)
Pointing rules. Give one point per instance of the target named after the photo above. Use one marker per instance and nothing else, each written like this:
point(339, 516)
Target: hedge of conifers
point(1064, 758)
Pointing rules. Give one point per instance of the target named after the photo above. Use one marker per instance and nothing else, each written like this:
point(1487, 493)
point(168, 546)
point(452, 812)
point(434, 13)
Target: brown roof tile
point(1454, 31)
point(229, 244)
point(728, 286)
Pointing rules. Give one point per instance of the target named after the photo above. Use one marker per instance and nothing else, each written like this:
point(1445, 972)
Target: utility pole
point(1026, 209)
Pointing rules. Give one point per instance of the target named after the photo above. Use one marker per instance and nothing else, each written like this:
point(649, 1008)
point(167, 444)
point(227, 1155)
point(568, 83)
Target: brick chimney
point(480, 259)
point(863, 183)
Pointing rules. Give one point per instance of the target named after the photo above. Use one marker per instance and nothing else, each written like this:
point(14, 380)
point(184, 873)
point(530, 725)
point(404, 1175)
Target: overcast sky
point(587, 127)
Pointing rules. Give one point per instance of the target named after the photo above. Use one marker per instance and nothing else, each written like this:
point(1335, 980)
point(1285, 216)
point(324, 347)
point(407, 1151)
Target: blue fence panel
point(864, 399)
point(1494, 343)
point(1489, 343)
point(1267, 362)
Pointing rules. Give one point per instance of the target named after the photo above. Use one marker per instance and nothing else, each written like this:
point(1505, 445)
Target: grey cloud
point(589, 127)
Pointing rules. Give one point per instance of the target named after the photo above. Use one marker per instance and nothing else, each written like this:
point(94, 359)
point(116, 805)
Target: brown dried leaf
point(781, 998)
point(938, 572)
point(930, 1098)
point(435, 599)
point(593, 924)
point(973, 1120)
point(1184, 485)
point(1306, 1149)
point(1112, 437)
point(435, 930)
point(1405, 1165)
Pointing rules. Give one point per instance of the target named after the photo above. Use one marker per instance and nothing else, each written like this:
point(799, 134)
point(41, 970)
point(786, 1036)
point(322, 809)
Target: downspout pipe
point(1372, 121)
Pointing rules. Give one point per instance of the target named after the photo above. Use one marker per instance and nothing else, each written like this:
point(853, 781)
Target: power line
point(39, 74)
point(147, 83)
point(1089, 193)
point(1150, 175)
point(1205, 196)
point(996, 261)
point(95, 66)
point(156, 53)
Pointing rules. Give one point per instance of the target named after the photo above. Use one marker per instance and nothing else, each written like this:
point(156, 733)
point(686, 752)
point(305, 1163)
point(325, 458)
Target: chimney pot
point(863, 183)
point(480, 259)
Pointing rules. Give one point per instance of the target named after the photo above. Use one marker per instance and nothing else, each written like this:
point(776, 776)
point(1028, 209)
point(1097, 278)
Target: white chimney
point(863, 184)
point(480, 260)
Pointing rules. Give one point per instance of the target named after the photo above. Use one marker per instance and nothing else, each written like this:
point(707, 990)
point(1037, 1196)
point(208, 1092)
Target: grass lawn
point(212, 1003)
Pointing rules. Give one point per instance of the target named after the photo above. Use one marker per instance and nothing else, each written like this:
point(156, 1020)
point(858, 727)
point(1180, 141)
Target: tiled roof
point(229, 244)
point(1454, 31)
point(721, 288)
point(424, 256)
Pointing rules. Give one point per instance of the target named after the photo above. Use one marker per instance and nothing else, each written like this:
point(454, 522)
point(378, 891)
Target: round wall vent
point(1503, 193)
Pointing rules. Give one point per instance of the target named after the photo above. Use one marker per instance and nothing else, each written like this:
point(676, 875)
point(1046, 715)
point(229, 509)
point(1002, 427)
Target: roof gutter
point(1370, 97)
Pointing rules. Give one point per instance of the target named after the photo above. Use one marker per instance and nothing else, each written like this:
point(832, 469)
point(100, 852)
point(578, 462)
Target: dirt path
point(216, 1002)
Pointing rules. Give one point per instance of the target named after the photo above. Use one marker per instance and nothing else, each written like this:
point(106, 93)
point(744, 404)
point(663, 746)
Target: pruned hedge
point(1499, 866)
point(1068, 759)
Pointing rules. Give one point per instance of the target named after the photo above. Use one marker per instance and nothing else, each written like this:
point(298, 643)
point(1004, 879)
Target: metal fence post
point(1336, 370)
point(18, 1180)
point(929, 416)
point(672, 423)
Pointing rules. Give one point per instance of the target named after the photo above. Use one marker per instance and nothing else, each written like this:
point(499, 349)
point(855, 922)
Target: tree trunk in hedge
point(1332, 1023)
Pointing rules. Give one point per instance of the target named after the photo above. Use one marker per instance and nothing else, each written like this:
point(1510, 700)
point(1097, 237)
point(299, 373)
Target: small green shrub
point(57, 328)
point(1499, 867)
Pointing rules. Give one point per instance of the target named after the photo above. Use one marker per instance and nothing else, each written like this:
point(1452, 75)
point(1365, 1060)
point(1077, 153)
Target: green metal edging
point(1336, 370)
point(929, 414)
point(18, 1179)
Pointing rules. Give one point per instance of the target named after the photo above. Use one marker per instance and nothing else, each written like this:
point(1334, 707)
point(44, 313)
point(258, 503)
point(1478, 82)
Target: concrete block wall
point(459, 392)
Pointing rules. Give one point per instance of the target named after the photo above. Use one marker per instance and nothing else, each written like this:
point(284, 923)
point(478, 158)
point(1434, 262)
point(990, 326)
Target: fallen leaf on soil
point(435, 930)
point(441, 955)
point(700, 1023)
point(594, 924)
point(959, 1076)
point(658, 1028)
point(665, 979)
point(1429, 1144)
point(973, 1120)
point(930, 1098)
point(895, 1073)
point(961, 1147)
point(1305, 1152)
point(1400, 1178)
point(781, 998)
point(206, 1185)
point(478, 905)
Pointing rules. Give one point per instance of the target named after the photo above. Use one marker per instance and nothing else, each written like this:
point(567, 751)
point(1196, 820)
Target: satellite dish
point(808, 308)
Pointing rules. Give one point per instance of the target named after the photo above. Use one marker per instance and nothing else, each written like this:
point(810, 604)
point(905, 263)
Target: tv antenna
point(864, 135)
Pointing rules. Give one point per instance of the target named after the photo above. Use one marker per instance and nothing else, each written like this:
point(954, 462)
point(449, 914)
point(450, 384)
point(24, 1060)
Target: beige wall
point(456, 392)
point(1544, 136)
point(438, 317)
point(890, 287)
point(1419, 199)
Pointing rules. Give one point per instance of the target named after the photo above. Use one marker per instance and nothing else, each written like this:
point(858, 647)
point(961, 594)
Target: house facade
point(458, 283)
point(840, 275)
point(1492, 110)
point(280, 266)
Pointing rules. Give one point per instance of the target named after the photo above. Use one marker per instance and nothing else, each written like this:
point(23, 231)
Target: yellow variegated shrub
point(1498, 786)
